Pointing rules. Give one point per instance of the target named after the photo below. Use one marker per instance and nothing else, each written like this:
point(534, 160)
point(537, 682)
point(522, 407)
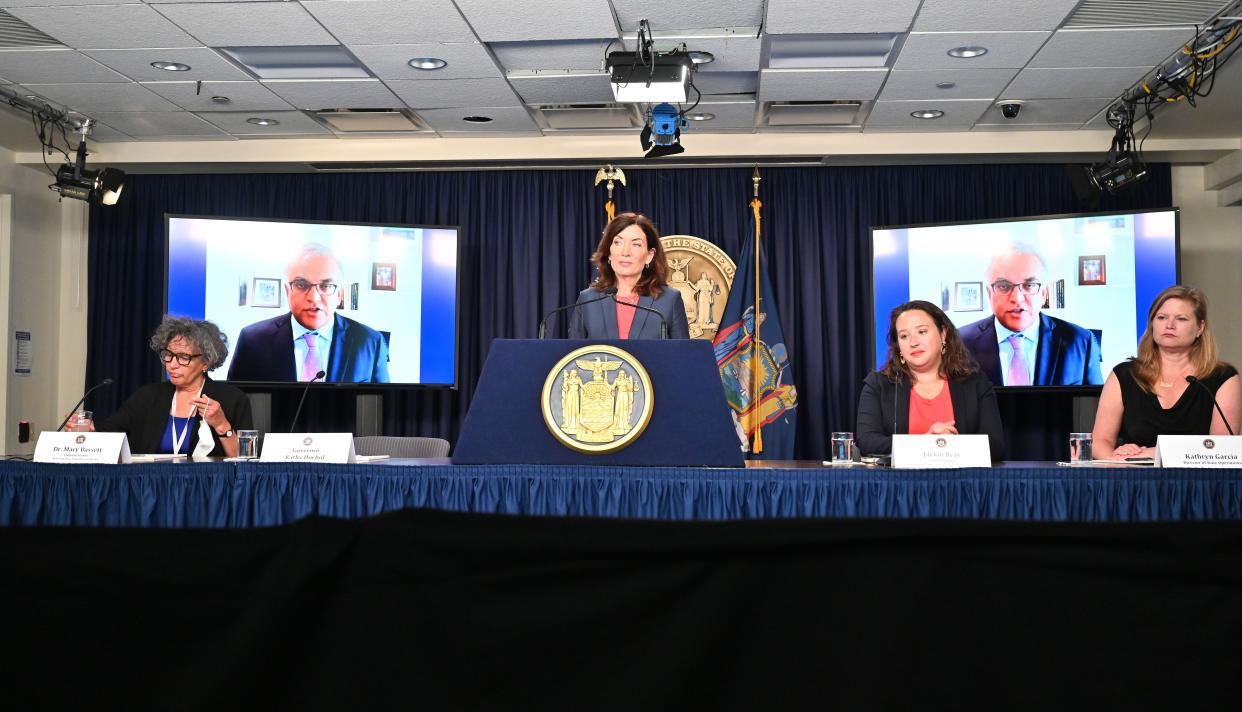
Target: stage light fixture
point(661, 136)
point(1122, 165)
point(73, 180)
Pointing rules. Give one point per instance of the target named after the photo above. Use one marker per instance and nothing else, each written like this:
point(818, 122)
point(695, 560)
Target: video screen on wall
point(362, 303)
point(1067, 294)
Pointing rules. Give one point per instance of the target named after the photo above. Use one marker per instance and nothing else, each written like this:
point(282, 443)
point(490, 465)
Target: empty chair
point(401, 447)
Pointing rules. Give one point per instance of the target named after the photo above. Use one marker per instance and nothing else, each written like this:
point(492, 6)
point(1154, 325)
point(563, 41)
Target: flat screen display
point(368, 304)
point(1070, 293)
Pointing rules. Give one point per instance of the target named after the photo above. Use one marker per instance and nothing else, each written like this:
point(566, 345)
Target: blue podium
point(690, 423)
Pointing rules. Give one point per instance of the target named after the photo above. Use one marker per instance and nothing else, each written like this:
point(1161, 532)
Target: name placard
point(82, 448)
point(930, 451)
point(1199, 451)
point(308, 447)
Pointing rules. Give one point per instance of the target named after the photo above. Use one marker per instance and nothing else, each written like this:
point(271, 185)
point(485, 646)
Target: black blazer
point(974, 412)
point(144, 415)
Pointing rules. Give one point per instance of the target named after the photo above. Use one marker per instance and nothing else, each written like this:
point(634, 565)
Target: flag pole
point(755, 205)
point(610, 174)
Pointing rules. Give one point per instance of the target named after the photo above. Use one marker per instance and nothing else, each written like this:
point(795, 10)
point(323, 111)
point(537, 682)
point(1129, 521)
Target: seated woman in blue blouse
point(189, 413)
point(930, 384)
point(1150, 396)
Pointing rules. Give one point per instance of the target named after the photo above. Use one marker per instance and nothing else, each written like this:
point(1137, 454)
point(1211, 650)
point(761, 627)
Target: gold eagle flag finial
point(611, 174)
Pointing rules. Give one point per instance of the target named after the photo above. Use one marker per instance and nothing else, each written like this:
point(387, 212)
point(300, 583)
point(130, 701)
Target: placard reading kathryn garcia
point(1199, 451)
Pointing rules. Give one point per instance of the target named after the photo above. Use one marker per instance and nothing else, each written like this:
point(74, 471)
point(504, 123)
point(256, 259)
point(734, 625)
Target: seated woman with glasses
point(189, 414)
point(311, 342)
point(1153, 395)
point(929, 384)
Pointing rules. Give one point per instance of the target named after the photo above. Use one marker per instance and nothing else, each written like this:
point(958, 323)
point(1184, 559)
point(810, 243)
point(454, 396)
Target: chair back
point(401, 447)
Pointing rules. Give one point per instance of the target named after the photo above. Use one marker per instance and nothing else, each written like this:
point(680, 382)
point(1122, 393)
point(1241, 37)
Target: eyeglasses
point(302, 286)
point(183, 359)
point(1005, 286)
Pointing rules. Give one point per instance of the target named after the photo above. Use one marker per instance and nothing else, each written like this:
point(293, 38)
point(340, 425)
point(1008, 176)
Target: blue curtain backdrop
point(526, 239)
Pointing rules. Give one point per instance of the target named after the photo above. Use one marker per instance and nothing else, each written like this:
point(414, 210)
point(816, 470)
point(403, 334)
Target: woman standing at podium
point(631, 294)
point(189, 413)
point(1153, 394)
point(929, 384)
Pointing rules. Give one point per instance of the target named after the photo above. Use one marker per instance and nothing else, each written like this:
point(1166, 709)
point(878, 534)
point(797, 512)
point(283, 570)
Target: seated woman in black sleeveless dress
point(1150, 395)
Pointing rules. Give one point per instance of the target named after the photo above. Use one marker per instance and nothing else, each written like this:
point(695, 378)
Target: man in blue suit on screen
point(1018, 345)
point(311, 337)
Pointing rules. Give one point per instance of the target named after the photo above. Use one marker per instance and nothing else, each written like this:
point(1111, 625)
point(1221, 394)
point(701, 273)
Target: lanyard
point(172, 411)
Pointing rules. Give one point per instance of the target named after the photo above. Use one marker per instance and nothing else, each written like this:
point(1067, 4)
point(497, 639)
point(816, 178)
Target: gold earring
point(943, 347)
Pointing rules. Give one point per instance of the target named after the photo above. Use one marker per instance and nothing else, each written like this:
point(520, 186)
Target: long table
point(254, 494)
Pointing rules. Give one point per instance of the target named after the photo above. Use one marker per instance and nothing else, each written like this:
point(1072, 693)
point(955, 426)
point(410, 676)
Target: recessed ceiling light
point(701, 116)
point(945, 85)
point(428, 63)
point(260, 121)
point(171, 66)
point(968, 52)
point(927, 114)
point(477, 119)
point(221, 99)
point(700, 57)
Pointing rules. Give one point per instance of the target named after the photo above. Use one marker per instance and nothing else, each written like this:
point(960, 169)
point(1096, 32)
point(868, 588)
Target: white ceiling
point(508, 59)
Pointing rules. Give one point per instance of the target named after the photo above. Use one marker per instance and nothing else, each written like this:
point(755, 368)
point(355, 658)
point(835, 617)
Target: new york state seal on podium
point(597, 399)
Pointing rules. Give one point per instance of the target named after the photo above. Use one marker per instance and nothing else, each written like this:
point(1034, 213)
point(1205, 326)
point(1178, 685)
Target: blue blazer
point(1067, 354)
point(599, 320)
point(264, 352)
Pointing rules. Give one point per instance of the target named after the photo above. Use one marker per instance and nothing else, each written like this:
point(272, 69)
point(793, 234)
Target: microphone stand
point(1201, 384)
point(74, 409)
point(610, 292)
point(305, 390)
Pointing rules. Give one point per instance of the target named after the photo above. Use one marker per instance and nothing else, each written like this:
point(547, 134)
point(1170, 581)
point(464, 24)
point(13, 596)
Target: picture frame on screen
point(1057, 282)
point(278, 287)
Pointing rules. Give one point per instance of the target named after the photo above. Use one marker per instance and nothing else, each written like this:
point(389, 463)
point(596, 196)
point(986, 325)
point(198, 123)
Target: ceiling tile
point(929, 50)
point(840, 16)
point(243, 96)
point(1025, 127)
point(291, 123)
point(335, 94)
point(580, 55)
point(1049, 111)
point(448, 93)
point(960, 113)
point(1040, 83)
point(563, 88)
point(49, 3)
point(466, 60)
point(504, 118)
point(728, 115)
point(687, 14)
point(1112, 47)
point(248, 24)
point(158, 123)
point(732, 54)
point(967, 83)
point(89, 98)
point(53, 66)
point(819, 84)
point(539, 19)
point(105, 26)
point(971, 15)
point(725, 82)
point(377, 22)
point(205, 64)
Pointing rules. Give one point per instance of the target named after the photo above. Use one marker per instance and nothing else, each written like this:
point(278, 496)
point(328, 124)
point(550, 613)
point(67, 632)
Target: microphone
point(663, 323)
point(543, 325)
point(74, 409)
point(1192, 379)
point(305, 390)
